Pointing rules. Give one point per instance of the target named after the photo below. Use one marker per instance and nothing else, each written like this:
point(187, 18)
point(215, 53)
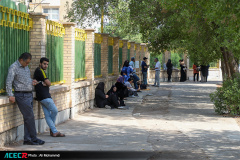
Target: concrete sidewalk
point(176, 122)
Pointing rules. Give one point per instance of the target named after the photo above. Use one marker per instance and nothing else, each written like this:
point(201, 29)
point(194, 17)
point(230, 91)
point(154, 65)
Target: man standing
point(157, 73)
point(135, 77)
point(19, 77)
point(43, 95)
point(144, 70)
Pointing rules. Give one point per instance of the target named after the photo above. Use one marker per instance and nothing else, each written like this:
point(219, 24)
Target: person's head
point(130, 80)
point(114, 89)
point(133, 59)
point(145, 59)
point(25, 59)
point(126, 63)
point(44, 63)
point(181, 60)
point(156, 60)
point(100, 86)
point(169, 61)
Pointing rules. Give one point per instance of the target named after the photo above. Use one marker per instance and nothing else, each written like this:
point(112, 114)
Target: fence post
point(115, 55)
point(132, 50)
point(69, 60)
point(69, 53)
point(124, 51)
point(104, 55)
point(37, 39)
point(89, 54)
point(137, 49)
point(89, 61)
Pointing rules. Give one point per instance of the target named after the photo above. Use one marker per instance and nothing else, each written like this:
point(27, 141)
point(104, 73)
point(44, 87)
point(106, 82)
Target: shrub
point(227, 98)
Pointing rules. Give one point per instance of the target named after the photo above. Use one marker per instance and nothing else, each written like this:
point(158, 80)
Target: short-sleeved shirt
point(132, 64)
point(144, 69)
point(158, 65)
point(42, 92)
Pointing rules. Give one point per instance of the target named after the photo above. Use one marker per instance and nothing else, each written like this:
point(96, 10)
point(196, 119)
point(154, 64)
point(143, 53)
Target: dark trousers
point(195, 75)
point(25, 105)
point(112, 101)
point(169, 77)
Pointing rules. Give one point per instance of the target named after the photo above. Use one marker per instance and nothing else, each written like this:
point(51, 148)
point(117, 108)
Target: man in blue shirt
point(144, 70)
point(135, 77)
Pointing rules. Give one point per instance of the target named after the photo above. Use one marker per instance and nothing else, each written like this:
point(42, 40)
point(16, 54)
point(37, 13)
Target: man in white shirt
point(157, 73)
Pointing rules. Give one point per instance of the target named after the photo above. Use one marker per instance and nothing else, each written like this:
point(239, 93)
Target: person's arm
point(46, 80)
point(100, 94)
point(9, 81)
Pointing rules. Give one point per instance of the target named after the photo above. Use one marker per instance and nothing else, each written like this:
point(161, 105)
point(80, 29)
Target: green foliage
point(87, 12)
point(175, 57)
point(198, 27)
point(227, 98)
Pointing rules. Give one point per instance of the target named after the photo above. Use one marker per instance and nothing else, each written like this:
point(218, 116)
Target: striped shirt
point(19, 77)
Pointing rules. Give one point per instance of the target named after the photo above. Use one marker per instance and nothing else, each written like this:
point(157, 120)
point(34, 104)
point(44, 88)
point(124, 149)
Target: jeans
point(144, 78)
point(50, 112)
point(157, 78)
point(135, 79)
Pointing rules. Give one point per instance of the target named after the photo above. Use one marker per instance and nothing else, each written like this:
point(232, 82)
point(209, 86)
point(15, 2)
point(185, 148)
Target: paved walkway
point(176, 122)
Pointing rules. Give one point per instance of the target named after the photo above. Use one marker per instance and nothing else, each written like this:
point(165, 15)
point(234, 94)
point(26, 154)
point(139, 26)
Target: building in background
point(56, 9)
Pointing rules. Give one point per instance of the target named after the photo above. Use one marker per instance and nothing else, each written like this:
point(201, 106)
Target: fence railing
point(97, 55)
point(54, 51)
point(14, 36)
point(110, 56)
point(80, 37)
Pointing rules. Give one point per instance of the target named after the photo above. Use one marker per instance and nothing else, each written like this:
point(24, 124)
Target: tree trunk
point(229, 63)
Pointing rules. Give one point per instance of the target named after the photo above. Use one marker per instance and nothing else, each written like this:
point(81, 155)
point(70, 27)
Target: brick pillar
point(137, 56)
point(115, 55)
point(132, 50)
point(89, 54)
point(104, 55)
point(69, 53)
point(124, 51)
point(37, 39)
point(89, 61)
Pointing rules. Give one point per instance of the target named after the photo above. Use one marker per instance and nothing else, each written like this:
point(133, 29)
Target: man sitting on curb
point(43, 95)
point(132, 92)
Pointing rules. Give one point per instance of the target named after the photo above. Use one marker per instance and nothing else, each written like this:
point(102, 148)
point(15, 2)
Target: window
point(53, 13)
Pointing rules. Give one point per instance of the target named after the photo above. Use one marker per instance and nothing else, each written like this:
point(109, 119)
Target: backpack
point(143, 86)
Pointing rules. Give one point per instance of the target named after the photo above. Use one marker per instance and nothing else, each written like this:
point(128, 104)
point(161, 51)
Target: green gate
point(110, 56)
point(54, 51)
point(97, 55)
point(80, 37)
point(14, 36)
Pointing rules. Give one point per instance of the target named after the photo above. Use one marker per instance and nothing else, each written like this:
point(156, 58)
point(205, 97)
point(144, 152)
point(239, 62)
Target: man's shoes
point(153, 85)
point(30, 143)
point(132, 96)
point(157, 86)
point(39, 141)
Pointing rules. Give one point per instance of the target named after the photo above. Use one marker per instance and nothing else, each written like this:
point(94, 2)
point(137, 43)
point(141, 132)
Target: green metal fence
point(110, 56)
point(14, 36)
point(54, 51)
point(97, 55)
point(80, 37)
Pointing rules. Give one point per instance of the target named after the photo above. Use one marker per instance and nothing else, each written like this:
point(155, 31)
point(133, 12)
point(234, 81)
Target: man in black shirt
point(44, 97)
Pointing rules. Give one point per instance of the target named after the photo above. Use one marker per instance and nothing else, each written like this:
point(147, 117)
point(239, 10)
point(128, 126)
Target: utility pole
point(102, 17)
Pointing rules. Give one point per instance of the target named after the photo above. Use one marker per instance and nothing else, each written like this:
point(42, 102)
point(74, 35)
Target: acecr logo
point(16, 155)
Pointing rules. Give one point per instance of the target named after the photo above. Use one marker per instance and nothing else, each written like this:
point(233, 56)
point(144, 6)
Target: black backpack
point(143, 86)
